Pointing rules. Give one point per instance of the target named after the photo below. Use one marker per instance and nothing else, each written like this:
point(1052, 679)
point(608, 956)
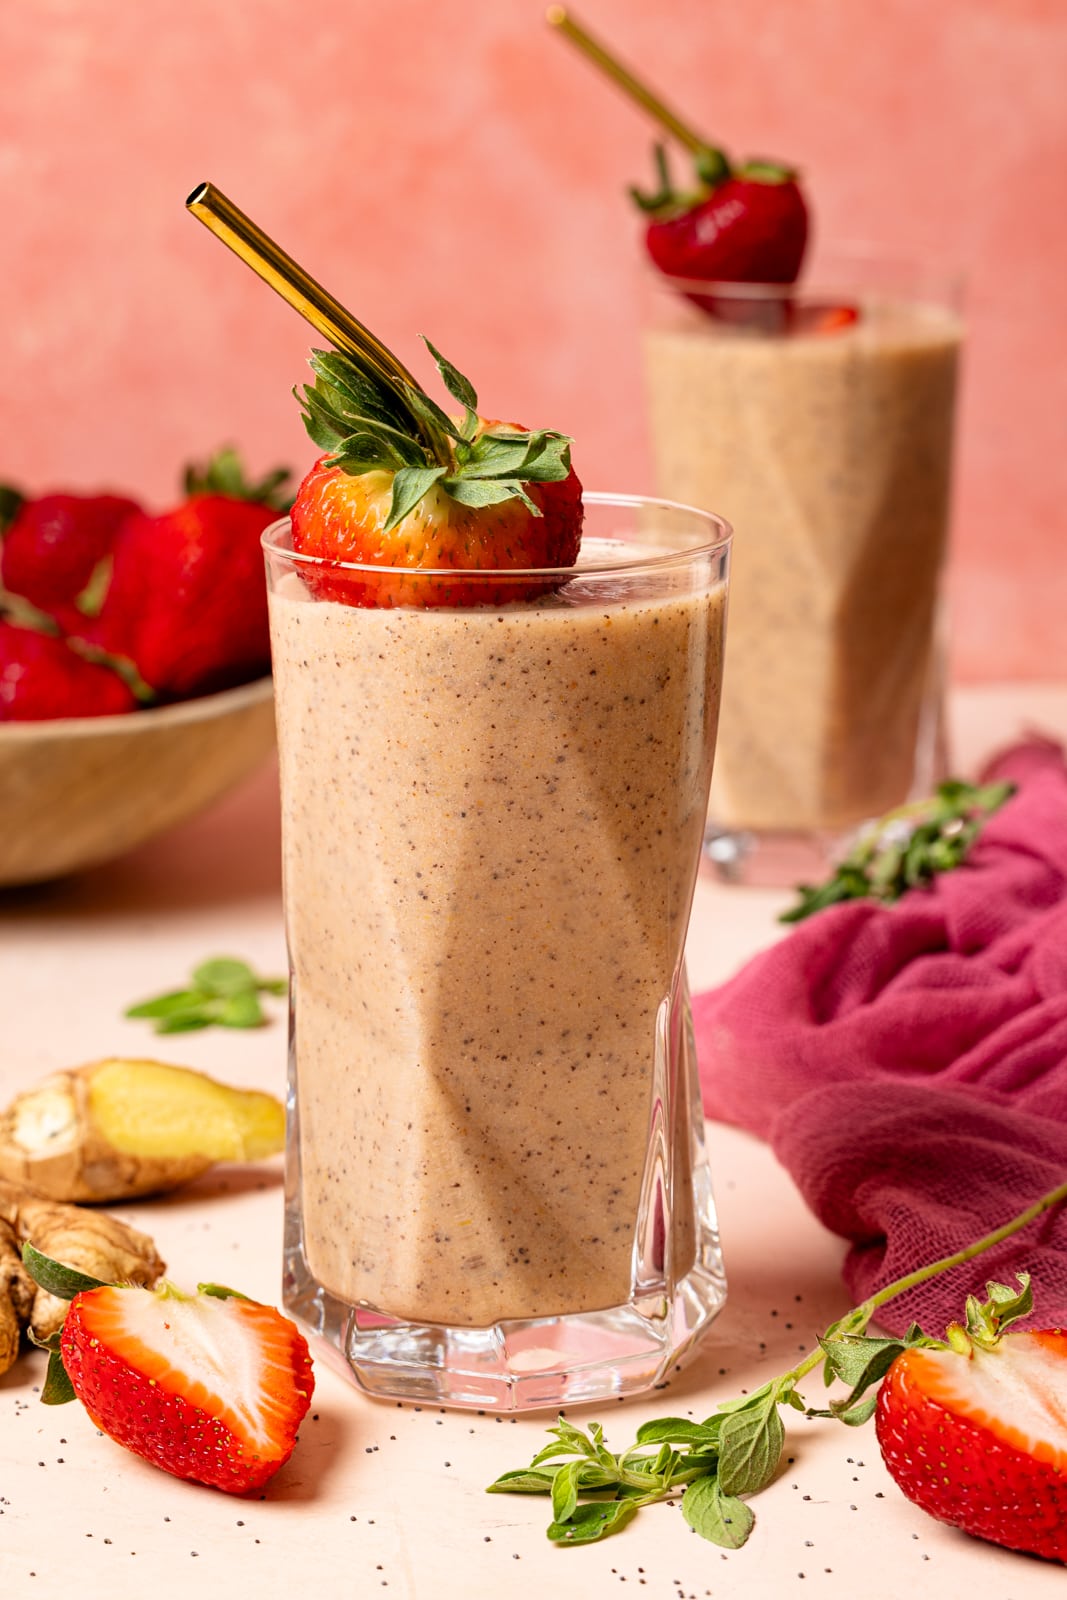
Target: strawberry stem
point(856, 1320)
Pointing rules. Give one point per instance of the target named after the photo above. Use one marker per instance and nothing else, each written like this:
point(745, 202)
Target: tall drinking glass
point(820, 419)
point(497, 1191)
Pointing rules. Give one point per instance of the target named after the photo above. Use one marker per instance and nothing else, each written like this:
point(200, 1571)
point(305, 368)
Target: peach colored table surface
point(382, 1498)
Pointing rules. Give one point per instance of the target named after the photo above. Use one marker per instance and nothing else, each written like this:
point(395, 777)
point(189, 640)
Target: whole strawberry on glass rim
point(735, 223)
point(407, 490)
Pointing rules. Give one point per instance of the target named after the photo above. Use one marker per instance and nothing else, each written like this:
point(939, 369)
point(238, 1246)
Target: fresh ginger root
point(90, 1241)
point(116, 1129)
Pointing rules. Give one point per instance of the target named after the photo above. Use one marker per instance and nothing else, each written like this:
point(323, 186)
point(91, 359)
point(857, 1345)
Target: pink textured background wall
point(457, 170)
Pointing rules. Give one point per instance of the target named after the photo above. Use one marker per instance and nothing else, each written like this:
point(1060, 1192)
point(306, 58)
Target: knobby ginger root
point(90, 1241)
point(115, 1129)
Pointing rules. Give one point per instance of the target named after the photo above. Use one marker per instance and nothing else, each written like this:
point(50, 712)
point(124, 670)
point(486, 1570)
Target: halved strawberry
point(404, 487)
point(975, 1432)
point(211, 1387)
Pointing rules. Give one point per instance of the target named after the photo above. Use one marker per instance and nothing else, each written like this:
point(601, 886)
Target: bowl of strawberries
point(135, 682)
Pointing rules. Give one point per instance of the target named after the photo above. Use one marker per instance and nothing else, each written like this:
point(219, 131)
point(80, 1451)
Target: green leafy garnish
point(907, 847)
point(224, 473)
point(367, 423)
point(224, 993)
point(735, 1452)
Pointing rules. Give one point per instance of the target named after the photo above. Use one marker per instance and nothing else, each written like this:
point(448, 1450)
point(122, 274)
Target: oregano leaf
point(720, 1518)
point(750, 1448)
point(592, 1521)
point(565, 1492)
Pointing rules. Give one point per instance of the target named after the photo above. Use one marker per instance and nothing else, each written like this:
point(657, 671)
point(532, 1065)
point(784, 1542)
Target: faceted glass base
point(520, 1365)
point(677, 1284)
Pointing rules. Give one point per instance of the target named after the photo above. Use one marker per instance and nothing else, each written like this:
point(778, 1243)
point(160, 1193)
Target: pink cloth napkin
point(908, 1063)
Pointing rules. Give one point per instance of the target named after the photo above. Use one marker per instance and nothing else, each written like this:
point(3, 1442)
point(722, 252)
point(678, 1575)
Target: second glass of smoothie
point(820, 420)
point(497, 1192)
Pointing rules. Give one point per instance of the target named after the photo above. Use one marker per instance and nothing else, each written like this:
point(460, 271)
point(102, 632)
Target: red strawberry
point(211, 1387)
point(403, 486)
point(187, 599)
point(52, 546)
point(745, 227)
point(42, 677)
point(975, 1432)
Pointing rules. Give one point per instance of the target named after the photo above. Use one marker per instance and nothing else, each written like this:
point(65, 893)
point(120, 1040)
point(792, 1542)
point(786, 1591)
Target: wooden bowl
point(80, 790)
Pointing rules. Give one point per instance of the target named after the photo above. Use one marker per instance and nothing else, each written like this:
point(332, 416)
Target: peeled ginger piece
point(115, 1129)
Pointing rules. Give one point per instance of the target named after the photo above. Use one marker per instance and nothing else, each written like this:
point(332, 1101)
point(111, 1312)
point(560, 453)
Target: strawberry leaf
point(409, 486)
point(986, 1322)
point(488, 492)
point(55, 1277)
point(459, 387)
point(224, 474)
point(11, 502)
point(57, 1389)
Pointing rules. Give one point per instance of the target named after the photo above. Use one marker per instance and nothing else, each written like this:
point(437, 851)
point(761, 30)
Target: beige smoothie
point(831, 455)
point(491, 827)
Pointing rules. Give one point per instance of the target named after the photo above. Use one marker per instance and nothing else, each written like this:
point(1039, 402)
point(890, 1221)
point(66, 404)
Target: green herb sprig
point(907, 847)
point(735, 1452)
point(224, 993)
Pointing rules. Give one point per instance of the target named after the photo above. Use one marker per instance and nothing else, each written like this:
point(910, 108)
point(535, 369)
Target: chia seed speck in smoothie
point(492, 821)
point(831, 454)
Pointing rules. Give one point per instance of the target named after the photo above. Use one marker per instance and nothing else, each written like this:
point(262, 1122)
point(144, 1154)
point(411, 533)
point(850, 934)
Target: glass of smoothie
point(497, 1188)
point(819, 418)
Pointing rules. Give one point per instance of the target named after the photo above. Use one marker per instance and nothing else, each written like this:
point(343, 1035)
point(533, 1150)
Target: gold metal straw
point(295, 286)
point(624, 79)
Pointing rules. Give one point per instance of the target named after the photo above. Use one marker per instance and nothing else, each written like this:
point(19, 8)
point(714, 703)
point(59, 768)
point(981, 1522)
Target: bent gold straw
point(572, 30)
point(297, 287)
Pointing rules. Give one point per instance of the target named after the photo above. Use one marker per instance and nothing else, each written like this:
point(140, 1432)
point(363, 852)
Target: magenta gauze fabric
point(908, 1063)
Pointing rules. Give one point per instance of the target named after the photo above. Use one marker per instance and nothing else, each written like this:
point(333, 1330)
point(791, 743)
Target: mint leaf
point(241, 1011)
point(224, 975)
point(166, 1005)
point(224, 993)
point(718, 1517)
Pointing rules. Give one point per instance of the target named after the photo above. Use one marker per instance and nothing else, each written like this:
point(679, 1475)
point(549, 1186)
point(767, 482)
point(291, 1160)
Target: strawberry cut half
point(977, 1437)
point(209, 1387)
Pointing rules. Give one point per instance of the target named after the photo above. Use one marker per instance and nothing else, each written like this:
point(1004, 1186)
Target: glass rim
point(854, 263)
point(273, 545)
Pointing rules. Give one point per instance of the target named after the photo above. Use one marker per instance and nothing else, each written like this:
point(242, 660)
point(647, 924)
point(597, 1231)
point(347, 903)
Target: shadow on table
point(229, 853)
